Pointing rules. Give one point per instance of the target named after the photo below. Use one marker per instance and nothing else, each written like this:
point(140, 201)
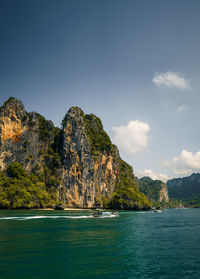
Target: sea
point(43, 244)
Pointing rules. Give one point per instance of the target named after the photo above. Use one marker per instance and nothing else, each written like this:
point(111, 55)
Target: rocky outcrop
point(24, 137)
point(78, 161)
point(155, 190)
point(86, 176)
point(163, 196)
point(185, 188)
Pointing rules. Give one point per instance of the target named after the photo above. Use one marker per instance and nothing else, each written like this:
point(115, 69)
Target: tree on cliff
point(127, 194)
point(18, 189)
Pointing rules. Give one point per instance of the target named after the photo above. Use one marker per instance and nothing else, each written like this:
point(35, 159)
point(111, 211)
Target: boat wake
point(24, 218)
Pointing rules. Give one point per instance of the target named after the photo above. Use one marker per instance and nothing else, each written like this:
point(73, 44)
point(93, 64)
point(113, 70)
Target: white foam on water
point(23, 218)
point(109, 216)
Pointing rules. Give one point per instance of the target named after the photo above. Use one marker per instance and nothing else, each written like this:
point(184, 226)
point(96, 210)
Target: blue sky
point(135, 64)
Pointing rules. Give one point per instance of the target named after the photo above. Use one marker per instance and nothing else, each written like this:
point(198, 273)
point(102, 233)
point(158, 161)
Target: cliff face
point(22, 136)
point(78, 164)
point(86, 176)
point(163, 193)
point(155, 190)
point(185, 188)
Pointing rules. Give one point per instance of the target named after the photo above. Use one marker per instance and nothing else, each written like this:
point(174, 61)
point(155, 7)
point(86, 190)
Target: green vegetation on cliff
point(185, 188)
point(49, 152)
point(127, 194)
point(154, 190)
point(185, 191)
point(18, 189)
point(98, 138)
point(45, 127)
point(10, 100)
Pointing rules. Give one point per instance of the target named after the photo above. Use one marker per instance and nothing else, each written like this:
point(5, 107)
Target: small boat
point(157, 211)
point(99, 213)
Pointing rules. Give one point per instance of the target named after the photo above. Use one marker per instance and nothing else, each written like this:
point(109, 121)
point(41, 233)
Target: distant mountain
point(186, 188)
point(155, 190)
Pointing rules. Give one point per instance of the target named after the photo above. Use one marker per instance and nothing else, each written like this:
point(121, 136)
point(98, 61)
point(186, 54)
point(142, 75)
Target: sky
point(133, 63)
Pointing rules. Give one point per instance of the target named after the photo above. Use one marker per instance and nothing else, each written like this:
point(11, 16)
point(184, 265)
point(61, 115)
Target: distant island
point(74, 166)
point(185, 191)
point(155, 190)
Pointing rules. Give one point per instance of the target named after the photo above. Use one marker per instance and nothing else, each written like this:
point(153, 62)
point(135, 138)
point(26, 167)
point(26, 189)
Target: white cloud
point(131, 138)
point(152, 175)
point(171, 79)
point(185, 164)
point(182, 108)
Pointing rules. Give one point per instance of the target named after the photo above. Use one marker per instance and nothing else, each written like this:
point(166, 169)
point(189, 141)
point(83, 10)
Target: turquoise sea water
point(62, 244)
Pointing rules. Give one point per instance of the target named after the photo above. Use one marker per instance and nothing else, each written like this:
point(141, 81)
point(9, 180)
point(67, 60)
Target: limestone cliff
point(90, 170)
point(26, 138)
point(164, 197)
point(19, 140)
point(155, 190)
point(78, 163)
point(185, 188)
